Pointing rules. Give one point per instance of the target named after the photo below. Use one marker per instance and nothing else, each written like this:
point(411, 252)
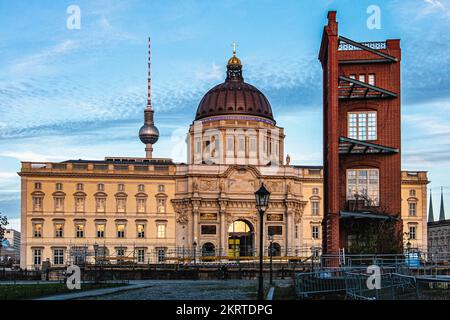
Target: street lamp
point(262, 201)
point(195, 249)
point(95, 267)
point(271, 255)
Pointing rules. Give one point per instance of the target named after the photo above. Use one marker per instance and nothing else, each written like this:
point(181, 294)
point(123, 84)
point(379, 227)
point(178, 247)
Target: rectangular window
point(59, 204)
point(79, 230)
point(161, 231)
point(253, 144)
point(141, 188)
point(120, 253)
point(413, 209)
point(362, 125)
point(275, 230)
point(208, 229)
point(58, 256)
point(37, 203)
point(101, 187)
point(79, 187)
point(37, 230)
point(352, 76)
point(363, 184)
point(161, 255)
point(59, 230)
point(121, 187)
point(230, 144)
point(362, 78)
point(120, 231)
point(37, 256)
point(371, 79)
point(100, 231)
point(141, 231)
point(79, 204)
point(315, 208)
point(296, 231)
point(315, 232)
point(141, 205)
point(412, 232)
point(197, 145)
point(161, 188)
point(241, 145)
point(37, 185)
point(161, 205)
point(100, 204)
point(121, 204)
point(140, 255)
point(59, 186)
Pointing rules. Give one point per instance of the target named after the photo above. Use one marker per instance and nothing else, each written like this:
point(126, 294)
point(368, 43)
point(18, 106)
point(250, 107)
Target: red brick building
point(362, 165)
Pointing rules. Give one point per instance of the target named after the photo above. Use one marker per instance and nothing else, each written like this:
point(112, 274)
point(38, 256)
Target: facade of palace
point(148, 210)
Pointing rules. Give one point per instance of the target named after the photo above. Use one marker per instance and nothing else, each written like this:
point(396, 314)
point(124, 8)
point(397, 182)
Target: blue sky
point(69, 94)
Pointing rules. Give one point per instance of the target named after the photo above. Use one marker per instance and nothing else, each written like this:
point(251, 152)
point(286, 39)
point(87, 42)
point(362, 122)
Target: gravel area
point(188, 290)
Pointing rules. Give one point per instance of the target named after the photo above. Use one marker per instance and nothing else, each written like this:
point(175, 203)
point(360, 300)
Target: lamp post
point(271, 255)
point(262, 201)
point(195, 249)
point(95, 255)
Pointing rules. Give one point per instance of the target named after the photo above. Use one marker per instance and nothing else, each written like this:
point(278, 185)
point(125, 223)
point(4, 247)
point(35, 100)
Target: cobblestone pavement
point(188, 290)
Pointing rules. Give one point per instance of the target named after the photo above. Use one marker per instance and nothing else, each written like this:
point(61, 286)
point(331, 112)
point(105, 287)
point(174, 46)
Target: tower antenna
point(148, 133)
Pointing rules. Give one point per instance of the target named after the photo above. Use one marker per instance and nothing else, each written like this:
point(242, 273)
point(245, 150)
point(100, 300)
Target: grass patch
point(31, 291)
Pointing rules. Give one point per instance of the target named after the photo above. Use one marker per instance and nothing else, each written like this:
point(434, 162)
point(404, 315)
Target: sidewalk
point(94, 293)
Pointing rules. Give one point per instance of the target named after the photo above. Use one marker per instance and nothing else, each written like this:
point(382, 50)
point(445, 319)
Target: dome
point(234, 97)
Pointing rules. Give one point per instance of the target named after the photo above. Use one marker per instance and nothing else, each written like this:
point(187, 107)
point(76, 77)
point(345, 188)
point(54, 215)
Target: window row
point(100, 229)
point(236, 144)
point(59, 255)
point(100, 204)
point(100, 187)
point(362, 77)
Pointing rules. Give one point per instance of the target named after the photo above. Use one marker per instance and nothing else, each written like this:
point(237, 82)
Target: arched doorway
point(208, 249)
point(276, 249)
point(240, 239)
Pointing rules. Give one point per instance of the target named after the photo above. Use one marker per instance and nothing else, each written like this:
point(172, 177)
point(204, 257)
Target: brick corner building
point(362, 163)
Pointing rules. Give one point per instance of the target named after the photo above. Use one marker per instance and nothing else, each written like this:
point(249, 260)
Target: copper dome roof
point(234, 97)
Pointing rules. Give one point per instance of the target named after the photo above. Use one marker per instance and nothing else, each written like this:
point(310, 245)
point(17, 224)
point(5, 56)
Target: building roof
point(142, 161)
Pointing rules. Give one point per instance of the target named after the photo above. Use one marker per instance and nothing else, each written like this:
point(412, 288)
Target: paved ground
point(188, 290)
point(94, 293)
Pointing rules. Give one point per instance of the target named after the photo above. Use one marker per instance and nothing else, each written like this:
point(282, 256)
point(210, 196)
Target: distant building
point(11, 246)
point(13, 237)
point(439, 233)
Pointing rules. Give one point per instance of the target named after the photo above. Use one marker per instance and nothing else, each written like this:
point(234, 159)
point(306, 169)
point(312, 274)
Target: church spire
point(148, 133)
point(442, 212)
point(430, 210)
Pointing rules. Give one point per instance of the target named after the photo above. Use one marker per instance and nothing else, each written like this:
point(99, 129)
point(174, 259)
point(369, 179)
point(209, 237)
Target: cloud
point(62, 105)
point(14, 223)
point(30, 156)
point(39, 62)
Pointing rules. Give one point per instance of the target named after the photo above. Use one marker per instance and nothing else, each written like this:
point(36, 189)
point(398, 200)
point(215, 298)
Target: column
point(223, 235)
point(289, 229)
point(195, 225)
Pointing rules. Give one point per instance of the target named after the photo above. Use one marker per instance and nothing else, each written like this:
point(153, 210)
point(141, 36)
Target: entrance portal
point(240, 239)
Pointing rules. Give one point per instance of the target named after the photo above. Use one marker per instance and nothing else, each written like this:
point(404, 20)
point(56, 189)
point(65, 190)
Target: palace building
point(150, 210)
